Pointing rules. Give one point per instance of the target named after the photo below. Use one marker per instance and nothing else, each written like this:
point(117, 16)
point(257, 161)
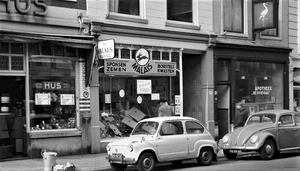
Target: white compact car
point(163, 139)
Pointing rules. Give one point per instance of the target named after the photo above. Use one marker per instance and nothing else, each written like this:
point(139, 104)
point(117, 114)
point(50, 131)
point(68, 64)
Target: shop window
point(129, 7)
point(4, 63)
point(125, 53)
point(17, 63)
point(260, 85)
point(59, 50)
point(156, 55)
point(52, 93)
point(4, 47)
point(46, 48)
point(165, 56)
point(233, 16)
point(16, 48)
point(13, 62)
point(121, 107)
point(133, 54)
point(34, 48)
point(179, 10)
point(175, 58)
point(70, 51)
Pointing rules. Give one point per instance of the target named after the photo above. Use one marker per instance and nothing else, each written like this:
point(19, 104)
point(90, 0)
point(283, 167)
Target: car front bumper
point(245, 147)
point(120, 159)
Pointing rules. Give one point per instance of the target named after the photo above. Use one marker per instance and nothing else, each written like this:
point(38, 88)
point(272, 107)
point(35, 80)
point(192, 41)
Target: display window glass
point(52, 93)
point(124, 100)
point(259, 85)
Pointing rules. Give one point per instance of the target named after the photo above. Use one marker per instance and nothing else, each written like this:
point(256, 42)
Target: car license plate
point(117, 155)
point(233, 151)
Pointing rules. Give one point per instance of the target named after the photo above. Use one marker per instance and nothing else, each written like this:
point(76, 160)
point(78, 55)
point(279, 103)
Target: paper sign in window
point(42, 99)
point(144, 86)
point(67, 99)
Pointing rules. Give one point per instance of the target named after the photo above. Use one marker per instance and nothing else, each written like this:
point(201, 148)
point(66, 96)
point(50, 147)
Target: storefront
point(149, 66)
point(43, 92)
point(40, 92)
point(255, 75)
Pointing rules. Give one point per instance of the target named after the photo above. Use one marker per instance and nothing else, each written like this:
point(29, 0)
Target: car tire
point(177, 162)
point(205, 157)
point(118, 167)
point(268, 150)
point(229, 155)
point(146, 162)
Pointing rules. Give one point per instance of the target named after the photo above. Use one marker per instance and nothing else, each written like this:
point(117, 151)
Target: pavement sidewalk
point(87, 162)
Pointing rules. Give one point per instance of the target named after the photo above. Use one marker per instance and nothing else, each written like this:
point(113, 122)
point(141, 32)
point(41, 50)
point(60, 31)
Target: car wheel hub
point(269, 149)
point(205, 156)
point(147, 163)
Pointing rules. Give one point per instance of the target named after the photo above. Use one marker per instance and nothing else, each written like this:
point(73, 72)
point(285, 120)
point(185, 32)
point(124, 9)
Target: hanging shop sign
point(28, 5)
point(106, 49)
point(265, 14)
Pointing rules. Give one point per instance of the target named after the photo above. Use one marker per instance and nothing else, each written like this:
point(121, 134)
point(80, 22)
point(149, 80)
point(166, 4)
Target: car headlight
point(225, 139)
point(108, 148)
point(254, 139)
point(130, 148)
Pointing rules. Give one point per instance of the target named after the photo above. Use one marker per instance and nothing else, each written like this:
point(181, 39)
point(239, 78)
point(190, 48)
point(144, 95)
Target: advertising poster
point(67, 99)
point(144, 86)
point(42, 99)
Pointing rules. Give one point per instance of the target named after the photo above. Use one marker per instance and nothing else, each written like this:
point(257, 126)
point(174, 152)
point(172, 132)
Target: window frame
point(66, 132)
point(130, 18)
point(10, 71)
point(187, 25)
point(194, 122)
point(245, 32)
point(173, 123)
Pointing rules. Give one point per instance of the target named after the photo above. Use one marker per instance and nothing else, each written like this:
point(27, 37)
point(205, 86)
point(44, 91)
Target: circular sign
point(122, 93)
point(86, 94)
point(139, 99)
point(142, 56)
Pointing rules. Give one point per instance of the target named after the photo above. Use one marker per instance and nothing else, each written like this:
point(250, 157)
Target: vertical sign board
point(265, 14)
point(106, 49)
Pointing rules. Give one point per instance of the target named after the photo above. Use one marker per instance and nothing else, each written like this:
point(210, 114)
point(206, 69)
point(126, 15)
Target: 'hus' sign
point(38, 3)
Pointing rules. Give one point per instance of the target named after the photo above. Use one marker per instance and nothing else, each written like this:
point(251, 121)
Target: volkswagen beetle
point(267, 132)
point(163, 139)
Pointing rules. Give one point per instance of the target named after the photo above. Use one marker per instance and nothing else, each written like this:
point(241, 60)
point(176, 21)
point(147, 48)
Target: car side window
point(286, 120)
point(193, 127)
point(297, 119)
point(171, 128)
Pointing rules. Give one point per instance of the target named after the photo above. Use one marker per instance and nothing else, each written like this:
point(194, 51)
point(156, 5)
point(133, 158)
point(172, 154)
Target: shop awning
point(66, 41)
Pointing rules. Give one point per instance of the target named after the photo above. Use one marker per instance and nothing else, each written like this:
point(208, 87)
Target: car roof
point(169, 118)
point(276, 111)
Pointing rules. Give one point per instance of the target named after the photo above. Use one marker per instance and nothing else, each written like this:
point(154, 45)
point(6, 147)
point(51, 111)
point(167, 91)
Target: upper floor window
point(180, 10)
point(129, 7)
point(233, 16)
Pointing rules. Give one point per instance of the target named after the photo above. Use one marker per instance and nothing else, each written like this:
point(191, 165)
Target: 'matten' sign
point(131, 67)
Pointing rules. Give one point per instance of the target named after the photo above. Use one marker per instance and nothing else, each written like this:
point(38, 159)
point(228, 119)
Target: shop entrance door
point(12, 116)
point(223, 109)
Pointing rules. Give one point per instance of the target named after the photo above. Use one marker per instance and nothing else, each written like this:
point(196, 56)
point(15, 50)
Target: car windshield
point(265, 118)
point(145, 128)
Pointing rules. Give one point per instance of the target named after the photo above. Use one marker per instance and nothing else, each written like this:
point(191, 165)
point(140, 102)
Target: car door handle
point(295, 129)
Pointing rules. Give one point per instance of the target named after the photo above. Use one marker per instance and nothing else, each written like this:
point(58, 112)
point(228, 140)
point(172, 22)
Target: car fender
point(152, 150)
point(265, 135)
point(208, 143)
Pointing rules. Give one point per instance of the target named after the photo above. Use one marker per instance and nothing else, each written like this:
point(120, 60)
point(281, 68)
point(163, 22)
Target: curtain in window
point(114, 5)
point(233, 15)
